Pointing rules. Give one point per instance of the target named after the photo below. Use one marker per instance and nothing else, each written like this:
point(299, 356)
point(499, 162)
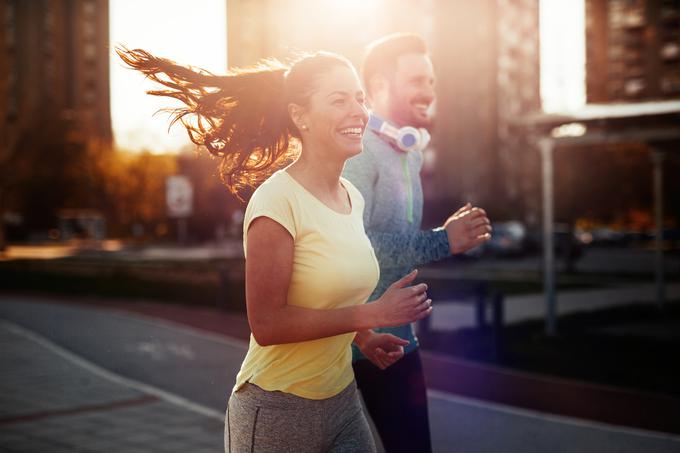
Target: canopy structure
point(655, 124)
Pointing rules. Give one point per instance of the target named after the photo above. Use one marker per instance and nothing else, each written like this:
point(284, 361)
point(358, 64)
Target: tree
point(134, 187)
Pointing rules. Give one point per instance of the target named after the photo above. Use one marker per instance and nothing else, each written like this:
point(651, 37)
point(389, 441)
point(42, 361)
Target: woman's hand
point(402, 304)
point(382, 349)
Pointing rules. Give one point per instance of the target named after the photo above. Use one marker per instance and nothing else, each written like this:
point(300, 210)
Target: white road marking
point(101, 372)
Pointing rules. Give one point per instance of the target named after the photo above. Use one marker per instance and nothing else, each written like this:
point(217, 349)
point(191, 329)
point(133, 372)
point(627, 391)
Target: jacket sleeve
point(410, 249)
point(393, 249)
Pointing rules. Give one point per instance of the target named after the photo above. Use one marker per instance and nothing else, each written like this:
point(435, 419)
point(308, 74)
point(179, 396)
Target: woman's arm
point(269, 267)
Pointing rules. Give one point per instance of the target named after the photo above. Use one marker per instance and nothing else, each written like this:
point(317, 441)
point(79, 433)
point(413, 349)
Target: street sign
point(179, 196)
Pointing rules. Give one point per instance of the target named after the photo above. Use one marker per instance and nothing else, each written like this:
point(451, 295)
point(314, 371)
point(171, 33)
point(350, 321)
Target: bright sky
point(563, 54)
point(188, 32)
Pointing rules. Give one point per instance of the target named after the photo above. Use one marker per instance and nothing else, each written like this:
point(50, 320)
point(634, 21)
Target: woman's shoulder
point(274, 199)
point(277, 186)
point(277, 180)
point(275, 193)
point(354, 193)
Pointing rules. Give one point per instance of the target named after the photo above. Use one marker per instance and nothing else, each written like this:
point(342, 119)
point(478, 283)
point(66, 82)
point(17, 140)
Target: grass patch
point(216, 283)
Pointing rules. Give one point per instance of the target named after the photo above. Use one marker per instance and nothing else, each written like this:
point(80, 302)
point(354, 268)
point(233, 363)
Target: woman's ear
point(297, 114)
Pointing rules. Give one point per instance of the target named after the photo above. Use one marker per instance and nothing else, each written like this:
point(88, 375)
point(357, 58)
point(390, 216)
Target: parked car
point(508, 239)
point(566, 241)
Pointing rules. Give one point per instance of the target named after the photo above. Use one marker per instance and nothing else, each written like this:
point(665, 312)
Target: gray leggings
point(262, 421)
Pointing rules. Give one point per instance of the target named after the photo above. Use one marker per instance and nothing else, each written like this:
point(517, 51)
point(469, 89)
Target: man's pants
point(397, 402)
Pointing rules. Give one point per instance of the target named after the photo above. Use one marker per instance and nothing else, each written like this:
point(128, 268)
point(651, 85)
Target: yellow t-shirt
point(333, 266)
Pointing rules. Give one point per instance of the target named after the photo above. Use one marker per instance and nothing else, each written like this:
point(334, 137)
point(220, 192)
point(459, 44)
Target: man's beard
point(404, 113)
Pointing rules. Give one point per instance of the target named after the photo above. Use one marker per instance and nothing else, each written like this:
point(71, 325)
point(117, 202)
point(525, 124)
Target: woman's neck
point(317, 172)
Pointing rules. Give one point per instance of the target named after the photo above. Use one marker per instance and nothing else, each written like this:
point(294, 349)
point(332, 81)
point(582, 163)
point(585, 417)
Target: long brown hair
point(240, 117)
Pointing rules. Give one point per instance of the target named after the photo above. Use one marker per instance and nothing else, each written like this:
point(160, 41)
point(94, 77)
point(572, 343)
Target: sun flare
point(192, 33)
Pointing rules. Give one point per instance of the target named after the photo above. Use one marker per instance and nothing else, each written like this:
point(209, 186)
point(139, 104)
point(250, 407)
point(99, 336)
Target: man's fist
point(467, 228)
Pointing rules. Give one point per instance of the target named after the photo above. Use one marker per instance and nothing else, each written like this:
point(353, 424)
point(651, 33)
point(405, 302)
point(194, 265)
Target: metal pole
point(547, 146)
point(657, 163)
point(182, 230)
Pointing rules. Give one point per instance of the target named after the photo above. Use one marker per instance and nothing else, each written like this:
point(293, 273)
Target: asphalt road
point(201, 367)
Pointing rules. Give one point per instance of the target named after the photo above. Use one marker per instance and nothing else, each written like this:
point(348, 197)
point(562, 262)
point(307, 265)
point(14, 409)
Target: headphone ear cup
point(425, 138)
point(408, 138)
point(411, 139)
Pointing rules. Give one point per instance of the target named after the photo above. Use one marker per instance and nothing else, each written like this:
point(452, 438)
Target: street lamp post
point(547, 146)
point(657, 163)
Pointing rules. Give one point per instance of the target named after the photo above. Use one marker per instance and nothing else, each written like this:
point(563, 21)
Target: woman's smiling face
point(335, 116)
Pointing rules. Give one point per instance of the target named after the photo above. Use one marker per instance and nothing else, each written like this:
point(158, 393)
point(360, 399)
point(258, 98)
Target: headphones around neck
point(406, 138)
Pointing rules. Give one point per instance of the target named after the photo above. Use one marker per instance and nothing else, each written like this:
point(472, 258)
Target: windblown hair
point(381, 55)
point(240, 117)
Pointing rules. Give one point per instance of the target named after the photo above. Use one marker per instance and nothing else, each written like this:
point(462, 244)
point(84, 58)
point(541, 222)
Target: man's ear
point(378, 87)
point(297, 114)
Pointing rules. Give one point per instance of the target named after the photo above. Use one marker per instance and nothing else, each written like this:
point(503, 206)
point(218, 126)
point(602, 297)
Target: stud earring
point(304, 127)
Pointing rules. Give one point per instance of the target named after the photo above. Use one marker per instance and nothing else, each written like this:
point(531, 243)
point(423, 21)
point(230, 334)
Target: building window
point(90, 51)
point(89, 8)
point(10, 51)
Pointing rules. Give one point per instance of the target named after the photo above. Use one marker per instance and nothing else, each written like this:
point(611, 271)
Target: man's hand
point(382, 349)
point(467, 228)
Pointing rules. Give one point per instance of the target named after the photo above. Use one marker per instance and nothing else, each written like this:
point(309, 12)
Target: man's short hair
point(382, 54)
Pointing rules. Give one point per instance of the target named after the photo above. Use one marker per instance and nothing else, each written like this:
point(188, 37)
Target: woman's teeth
point(352, 131)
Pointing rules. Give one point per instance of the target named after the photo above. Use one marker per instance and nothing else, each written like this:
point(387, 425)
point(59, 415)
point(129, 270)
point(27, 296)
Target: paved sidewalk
point(54, 401)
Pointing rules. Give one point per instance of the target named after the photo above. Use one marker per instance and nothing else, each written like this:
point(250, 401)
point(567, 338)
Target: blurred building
point(488, 73)
point(632, 55)
point(274, 28)
point(54, 109)
point(55, 60)
point(518, 84)
point(633, 50)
